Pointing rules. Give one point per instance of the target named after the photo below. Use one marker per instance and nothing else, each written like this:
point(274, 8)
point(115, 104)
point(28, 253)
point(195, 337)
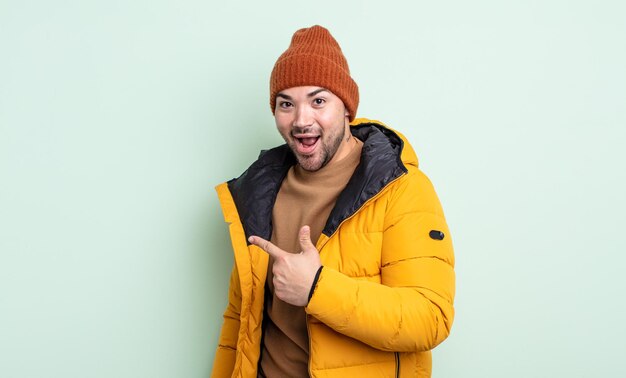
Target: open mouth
point(306, 144)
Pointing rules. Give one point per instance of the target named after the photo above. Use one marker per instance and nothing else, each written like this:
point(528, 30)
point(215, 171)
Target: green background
point(117, 119)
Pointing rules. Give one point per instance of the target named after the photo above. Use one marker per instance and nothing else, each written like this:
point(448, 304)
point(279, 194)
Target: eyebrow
point(316, 92)
point(308, 95)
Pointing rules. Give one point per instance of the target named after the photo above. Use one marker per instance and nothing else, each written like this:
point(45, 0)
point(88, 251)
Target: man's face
point(314, 123)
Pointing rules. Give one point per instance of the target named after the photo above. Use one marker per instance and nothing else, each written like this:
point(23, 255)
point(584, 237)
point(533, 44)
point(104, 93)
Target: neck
point(347, 144)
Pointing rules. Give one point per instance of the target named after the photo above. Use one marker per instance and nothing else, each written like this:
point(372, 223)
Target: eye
point(319, 101)
point(285, 104)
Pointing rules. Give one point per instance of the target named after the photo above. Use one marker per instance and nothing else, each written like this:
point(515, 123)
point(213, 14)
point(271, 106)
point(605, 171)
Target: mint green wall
point(118, 118)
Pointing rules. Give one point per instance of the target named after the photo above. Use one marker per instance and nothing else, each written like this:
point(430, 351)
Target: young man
point(343, 259)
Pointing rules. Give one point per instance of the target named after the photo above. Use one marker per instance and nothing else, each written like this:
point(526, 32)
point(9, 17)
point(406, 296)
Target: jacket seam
point(394, 262)
point(226, 347)
point(416, 212)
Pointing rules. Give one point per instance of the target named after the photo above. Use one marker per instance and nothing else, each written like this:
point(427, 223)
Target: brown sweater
point(305, 198)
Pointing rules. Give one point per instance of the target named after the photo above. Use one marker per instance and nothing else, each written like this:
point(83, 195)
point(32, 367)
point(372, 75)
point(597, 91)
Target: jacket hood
point(384, 157)
point(408, 155)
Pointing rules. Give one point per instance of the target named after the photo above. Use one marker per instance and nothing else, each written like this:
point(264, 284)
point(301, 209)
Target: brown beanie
point(315, 58)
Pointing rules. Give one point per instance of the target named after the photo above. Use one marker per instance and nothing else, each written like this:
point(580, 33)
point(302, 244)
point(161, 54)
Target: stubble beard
point(327, 151)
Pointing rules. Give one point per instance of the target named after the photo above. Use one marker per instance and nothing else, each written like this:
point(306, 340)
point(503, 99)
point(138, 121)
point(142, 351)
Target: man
point(343, 259)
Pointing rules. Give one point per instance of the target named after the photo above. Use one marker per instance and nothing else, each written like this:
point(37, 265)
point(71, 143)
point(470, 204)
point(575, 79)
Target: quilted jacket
point(384, 298)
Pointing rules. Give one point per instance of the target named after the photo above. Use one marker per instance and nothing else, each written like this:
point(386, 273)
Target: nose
point(303, 117)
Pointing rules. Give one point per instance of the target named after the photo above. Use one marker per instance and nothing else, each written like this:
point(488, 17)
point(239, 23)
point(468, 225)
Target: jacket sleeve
point(411, 309)
point(224, 361)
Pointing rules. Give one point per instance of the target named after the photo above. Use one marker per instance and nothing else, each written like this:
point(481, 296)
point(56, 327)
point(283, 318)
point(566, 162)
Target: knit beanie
point(314, 58)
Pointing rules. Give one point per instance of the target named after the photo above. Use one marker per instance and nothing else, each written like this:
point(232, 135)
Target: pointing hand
point(293, 273)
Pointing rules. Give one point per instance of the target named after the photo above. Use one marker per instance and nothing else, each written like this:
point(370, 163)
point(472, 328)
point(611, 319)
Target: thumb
point(305, 239)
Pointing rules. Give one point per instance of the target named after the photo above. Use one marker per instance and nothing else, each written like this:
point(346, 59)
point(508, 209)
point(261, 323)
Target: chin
point(310, 167)
point(310, 164)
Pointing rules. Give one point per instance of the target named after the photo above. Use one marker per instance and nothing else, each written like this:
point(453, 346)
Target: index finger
point(267, 246)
